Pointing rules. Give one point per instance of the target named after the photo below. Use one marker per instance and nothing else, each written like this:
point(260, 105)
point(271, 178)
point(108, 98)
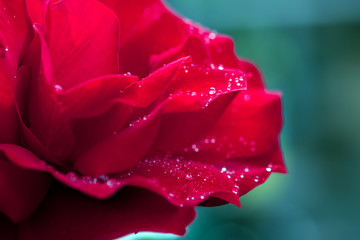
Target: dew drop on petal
point(58, 88)
point(212, 35)
point(188, 177)
point(235, 189)
point(212, 91)
point(3, 51)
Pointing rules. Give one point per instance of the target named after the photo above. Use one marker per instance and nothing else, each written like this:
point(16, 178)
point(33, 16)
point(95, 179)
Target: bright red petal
point(67, 214)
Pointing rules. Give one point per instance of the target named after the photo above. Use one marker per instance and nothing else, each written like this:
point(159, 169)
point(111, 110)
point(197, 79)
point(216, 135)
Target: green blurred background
point(310, 50)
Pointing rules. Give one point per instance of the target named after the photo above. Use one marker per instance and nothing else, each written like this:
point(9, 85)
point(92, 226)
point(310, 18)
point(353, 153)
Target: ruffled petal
point(150, 88)
point(21, 190)
point(221, 50)
point(249, 127)
point(249, 172)
point(52, 108)
point(67, 214)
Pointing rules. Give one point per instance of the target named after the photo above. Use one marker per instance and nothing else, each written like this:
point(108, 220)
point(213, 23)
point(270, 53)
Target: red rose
point(137, 114)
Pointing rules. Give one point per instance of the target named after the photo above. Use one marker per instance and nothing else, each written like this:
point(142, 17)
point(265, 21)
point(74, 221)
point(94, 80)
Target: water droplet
point(223, 169)
point(221, 67)
point(268, 169)
point(188, 177)
point(202, 197)
point(58, 88)
point(212, 91)
point(102, 178)
point(72, 176)
point(212, 35)
point(3, 51)
point(246, 169)
point(247, 97)
point(212, 140)
point(235, 189)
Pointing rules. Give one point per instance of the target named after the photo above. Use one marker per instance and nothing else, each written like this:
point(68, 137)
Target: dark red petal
point(21, 190)
point(249, 127)
point(15, 31)
point(122, 150)
point(92, 37)
point(8, 230)
point(67, 214)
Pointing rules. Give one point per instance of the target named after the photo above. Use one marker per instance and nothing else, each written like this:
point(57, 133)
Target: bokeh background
point(310, 50)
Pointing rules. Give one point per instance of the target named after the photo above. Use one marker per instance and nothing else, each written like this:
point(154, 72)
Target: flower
point(120, 116)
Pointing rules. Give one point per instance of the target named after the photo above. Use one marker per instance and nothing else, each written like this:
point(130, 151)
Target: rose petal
point(91, 97)
point(191, 46)
point(15, 31)
point(147, 28)
point(250, 172)
point(21, 190)
point(221, 49)
point(181, 129)
point(52, 108)
point(149, 89)
point(249, 127)
point(204, 84)
point(91, 46)
point(121, 151)
point(67, 214)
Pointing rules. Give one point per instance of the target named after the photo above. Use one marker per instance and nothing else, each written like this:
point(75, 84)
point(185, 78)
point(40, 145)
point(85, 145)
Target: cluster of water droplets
point(138, 120)
point(229, 146)
point(208, 82)
point(102, 180)
point(183, 180)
